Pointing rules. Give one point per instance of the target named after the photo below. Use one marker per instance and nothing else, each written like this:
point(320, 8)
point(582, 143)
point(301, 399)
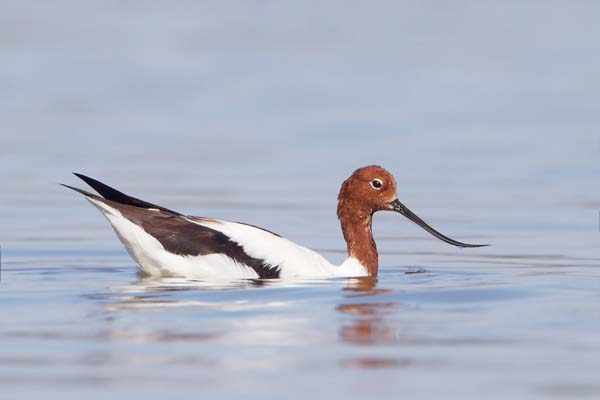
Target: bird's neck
point(356, 227)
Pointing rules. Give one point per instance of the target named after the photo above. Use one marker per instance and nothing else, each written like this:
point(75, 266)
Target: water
point(487, 114)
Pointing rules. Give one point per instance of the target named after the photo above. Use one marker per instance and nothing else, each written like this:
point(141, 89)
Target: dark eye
point(376, 184)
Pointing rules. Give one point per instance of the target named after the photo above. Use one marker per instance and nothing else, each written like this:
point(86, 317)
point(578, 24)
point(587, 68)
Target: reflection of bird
point(368, 320)
point(368, 325)
point(167, 243)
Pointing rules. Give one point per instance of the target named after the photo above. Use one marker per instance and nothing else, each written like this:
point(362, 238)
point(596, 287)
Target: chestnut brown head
point(370, 188)
point(373, 188)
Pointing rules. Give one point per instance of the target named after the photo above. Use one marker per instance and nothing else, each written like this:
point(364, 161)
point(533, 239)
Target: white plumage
point(292, 260)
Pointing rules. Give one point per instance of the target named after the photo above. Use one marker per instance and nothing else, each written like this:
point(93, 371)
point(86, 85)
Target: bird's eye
point(376, 184)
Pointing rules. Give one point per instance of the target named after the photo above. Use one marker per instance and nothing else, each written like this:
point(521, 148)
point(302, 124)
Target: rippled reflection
point(368, 323)
point(158, 293)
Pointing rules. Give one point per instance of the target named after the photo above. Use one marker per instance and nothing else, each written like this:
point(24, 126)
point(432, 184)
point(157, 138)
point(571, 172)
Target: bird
point(166, 243)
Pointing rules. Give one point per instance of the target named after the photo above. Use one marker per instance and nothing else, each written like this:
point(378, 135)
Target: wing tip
point(85, 178)
point(78, 190)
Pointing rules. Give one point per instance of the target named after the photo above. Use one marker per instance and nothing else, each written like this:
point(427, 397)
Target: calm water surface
point(257, 112)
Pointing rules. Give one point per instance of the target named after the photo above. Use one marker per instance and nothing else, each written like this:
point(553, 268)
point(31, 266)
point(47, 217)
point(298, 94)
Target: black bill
point(402, 209)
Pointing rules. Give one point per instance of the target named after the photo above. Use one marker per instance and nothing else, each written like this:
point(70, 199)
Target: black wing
point(113, 194)
point(176, 233)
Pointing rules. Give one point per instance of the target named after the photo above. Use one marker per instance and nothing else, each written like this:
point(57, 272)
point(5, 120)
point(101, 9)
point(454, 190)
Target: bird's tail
point(112, 194)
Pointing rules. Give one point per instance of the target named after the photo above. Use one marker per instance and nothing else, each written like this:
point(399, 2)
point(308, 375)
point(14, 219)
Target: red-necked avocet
point(167, 243)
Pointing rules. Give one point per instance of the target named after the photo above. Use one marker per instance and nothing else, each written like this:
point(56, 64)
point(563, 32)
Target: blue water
point(487, 114)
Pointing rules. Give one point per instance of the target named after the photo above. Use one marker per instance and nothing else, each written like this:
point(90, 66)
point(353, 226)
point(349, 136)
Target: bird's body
point(166, 243)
